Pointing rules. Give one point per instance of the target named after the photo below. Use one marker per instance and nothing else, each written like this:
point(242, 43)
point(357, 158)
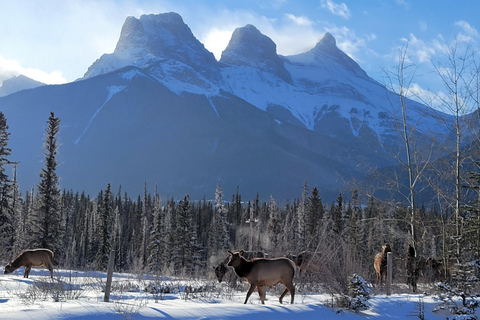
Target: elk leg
point(27, 271)
point(50, 268)
point(261, 293)
point(252, 287)
point(288, 287)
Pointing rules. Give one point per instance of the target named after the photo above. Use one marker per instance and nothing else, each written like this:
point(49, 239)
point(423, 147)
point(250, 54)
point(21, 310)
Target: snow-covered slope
point(301, 89)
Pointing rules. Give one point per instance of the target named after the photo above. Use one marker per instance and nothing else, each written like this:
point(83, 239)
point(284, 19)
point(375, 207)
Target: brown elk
point(380, 263)
point(31, 258)
point(260, 272)
point(222, 267)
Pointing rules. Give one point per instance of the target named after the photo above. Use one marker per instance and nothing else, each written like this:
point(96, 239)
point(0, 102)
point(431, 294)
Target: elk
point(307, 261)
point(260, 272)
point(222, 267)
point(435, 270)
point(31, 258)
point(380, 263)
point(411, 267)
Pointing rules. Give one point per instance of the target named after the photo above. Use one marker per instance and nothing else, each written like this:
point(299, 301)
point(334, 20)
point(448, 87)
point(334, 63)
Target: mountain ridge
point(161, 110)
point(18, 83)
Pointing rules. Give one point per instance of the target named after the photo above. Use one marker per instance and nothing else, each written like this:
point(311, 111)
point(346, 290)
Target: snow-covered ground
point(78, 295)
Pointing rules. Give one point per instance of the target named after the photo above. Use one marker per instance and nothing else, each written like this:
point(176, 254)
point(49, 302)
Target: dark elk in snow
point(260, 272)
point(307, 261)
point(380, 263)
point(31, 258)
point(414, 267)
point(221, 269)
point(435, 271)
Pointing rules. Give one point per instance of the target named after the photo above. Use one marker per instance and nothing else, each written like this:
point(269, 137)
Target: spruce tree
point(46, 218)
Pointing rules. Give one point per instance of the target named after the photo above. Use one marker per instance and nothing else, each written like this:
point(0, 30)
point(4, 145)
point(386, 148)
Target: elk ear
point(230, 252)
point(241, 252)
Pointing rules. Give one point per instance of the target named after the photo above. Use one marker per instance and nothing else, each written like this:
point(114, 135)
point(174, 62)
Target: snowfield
point(79, 295)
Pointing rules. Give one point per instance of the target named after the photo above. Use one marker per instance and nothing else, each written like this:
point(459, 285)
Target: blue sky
point(55, 41)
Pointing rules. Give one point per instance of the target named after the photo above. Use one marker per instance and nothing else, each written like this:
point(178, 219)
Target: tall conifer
point(47, 216)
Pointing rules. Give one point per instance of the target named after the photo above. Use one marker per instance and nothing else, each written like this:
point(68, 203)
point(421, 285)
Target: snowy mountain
point(160, 109)
point(18, 83)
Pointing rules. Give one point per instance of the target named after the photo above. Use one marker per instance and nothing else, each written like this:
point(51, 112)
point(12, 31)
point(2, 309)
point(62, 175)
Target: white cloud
point(11, 68)
point(403, 3)
point(467, 28)
point(349, 42)
point(423, 51)
point(469, 32)
point(337, 9)
point(301, 21)
point(216, 40)
point(283, 31)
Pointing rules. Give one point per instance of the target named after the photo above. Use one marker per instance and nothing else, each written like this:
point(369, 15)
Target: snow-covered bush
point(461, 296)
point(359, 293)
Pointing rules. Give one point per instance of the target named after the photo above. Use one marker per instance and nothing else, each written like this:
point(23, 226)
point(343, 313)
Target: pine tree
point(313, 219)
point(7, 229)
point(104, 232)
point(18, 212)
point(471, 224)
point(336, 213)
point(219, 236)
point(301, 233)
point(155, 243)
point(146, 224)
point(289, 227)
point(185, 241)
point(169, 235)
point(354, 212)
point(46, 218)
point(275, 227)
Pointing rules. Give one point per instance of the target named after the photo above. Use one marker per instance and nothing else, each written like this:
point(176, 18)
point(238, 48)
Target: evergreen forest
point(167, 236)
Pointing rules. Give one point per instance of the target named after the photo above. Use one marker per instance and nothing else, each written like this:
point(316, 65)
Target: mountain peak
point(326, 50)
point(327, 44)
point(153, 37)
point(18, 83)
point(327, 40)
point(249, 47)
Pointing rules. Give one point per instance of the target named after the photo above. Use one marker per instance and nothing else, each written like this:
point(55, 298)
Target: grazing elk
point(260, 272)
point(31, 258)
point(222, 267)
point(380, 263)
